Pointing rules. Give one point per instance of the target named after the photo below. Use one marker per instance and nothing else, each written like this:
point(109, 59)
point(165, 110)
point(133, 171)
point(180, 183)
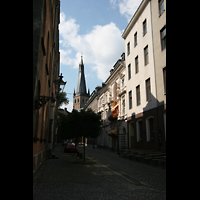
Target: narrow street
point(111, 177)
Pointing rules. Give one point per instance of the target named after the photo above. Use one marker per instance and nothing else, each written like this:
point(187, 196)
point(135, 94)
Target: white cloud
point(101, 47)
point(65, 58)
point(69, 106)
point(126, 7)
point(113, 3)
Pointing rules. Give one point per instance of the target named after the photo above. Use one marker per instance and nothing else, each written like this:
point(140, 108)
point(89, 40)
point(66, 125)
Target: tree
point(62, 99)
point(91, 125)
point(83, 124)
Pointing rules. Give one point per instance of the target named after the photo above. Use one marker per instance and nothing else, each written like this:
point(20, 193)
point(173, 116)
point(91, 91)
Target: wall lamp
point(42, 100)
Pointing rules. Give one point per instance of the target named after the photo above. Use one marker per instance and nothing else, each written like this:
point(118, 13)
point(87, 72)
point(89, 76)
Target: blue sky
point(93, 27)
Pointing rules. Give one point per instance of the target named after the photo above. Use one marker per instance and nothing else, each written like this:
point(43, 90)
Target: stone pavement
point(111, 177)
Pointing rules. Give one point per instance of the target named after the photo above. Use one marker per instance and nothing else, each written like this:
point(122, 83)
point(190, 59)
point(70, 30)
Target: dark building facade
point(46, 62)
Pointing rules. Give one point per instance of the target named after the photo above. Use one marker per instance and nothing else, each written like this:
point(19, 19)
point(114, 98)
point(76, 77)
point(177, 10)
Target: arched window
point(150, 129)
point(139, 129)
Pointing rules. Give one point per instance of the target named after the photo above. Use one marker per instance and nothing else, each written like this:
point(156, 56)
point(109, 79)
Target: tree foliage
point(83, 124)
point(62, 99)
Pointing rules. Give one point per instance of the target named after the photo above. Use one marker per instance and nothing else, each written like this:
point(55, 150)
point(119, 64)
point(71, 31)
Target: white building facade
point(141, 85)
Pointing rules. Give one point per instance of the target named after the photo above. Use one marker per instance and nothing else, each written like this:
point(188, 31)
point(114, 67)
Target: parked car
point(70, 147)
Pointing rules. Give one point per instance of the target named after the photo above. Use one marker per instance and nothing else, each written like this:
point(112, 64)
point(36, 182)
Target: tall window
point(161, 5)
point(129, 71)
point(163, 37)
point(139, 129)
point(146, 55)
point(144, 27)
point(138, 95)
point(122, 82)
point(130, 99)
point(150, 129)
point(148, 89)
point(151, 123)
point(164, 79)
point(123, 107)
point(136, 65)
point(128, 48)
point(135, 39)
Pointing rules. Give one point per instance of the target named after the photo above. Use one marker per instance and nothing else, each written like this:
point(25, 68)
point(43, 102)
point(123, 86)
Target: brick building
point(46, 58)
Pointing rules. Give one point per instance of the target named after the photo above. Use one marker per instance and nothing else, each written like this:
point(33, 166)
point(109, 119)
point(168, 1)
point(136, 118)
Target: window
point(144, 27)
point(139, 128)
point(122, 82)
point(163, 37)
point(136, 65)
point(138, 95)
point(148, 89)
point(130, 99)
point(150, 129)
point(123, 107)
point(101, 100)
point(128, 48)
point(129, 71)
point(164, 79)
point(161, 5)
point(135, 39)
point(146, 55)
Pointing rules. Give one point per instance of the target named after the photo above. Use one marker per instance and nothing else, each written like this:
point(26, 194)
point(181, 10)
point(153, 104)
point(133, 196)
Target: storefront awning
point(113, 133)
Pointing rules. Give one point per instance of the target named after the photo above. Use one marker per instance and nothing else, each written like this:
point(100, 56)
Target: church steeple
point(81, 95)
point(81, 87)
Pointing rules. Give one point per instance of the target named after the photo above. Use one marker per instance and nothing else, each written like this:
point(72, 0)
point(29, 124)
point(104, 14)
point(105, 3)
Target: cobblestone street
point(111, 177)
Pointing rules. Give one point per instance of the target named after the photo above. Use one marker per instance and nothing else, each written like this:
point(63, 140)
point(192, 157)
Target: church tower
point(81, 96)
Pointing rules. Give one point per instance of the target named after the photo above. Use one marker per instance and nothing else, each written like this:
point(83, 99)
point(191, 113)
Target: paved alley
point(111, 177)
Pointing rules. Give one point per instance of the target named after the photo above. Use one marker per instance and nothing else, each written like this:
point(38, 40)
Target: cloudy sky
point(93, 27)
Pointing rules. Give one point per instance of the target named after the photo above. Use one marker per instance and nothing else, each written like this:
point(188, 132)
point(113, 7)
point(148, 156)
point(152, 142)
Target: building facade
point(159, 43)
point(145, 122)
point(110, 100)
point(46, 58)
point(80, 96)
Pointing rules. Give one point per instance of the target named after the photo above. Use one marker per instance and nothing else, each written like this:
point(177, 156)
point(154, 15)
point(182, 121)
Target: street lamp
point(58, 83)
point(41, 100)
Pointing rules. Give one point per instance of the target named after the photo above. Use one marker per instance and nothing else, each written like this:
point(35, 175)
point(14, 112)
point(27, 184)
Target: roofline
point(135, 17)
